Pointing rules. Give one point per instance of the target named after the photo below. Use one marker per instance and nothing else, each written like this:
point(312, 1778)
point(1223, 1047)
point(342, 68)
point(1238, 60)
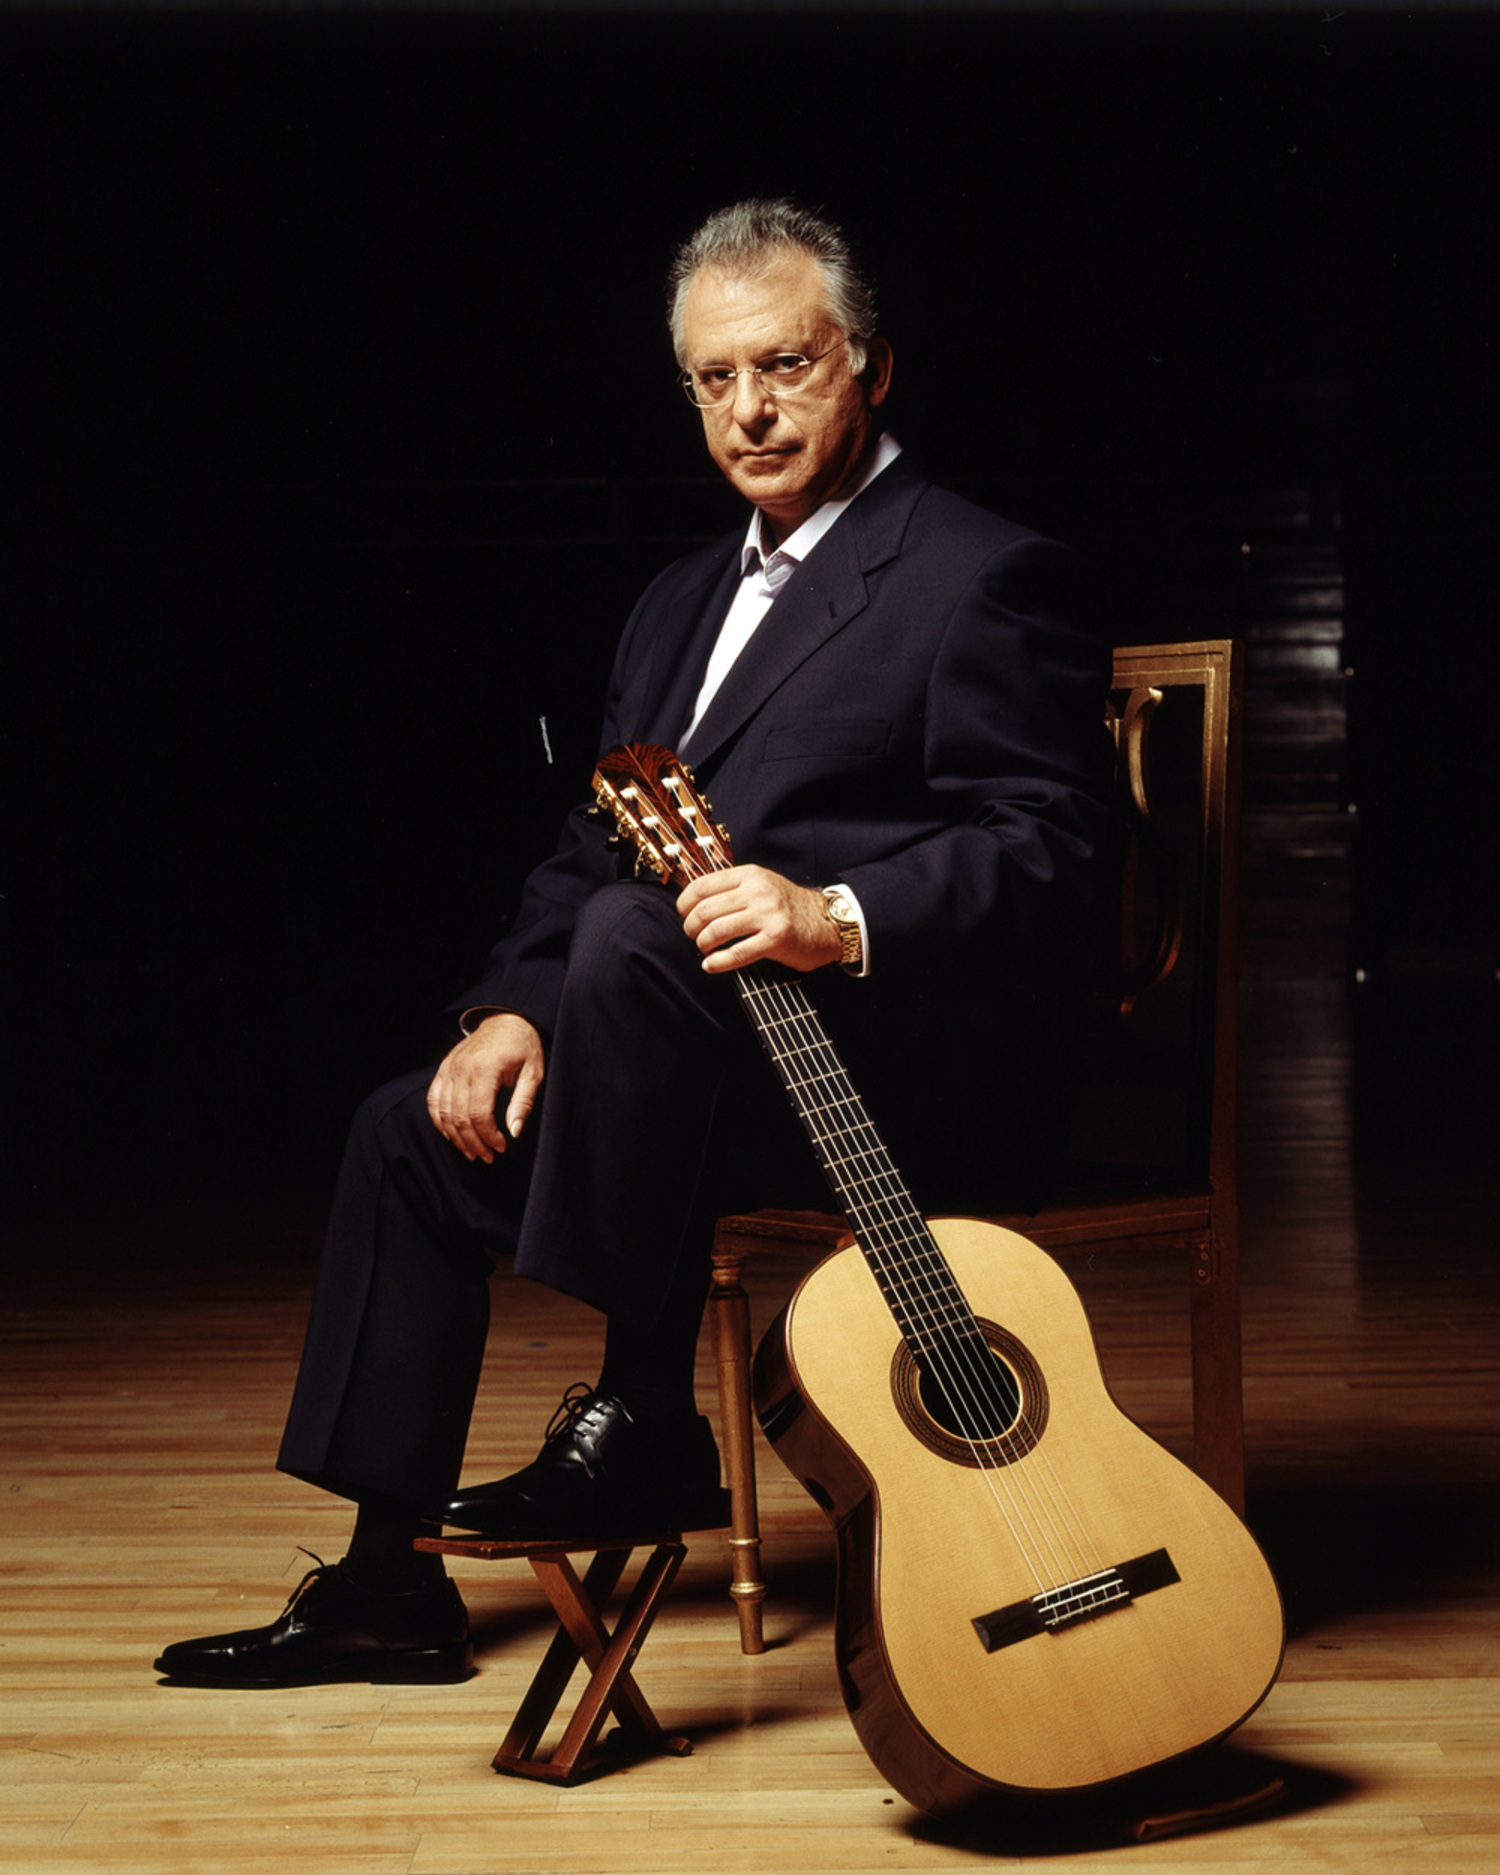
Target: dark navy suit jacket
point(919, 715)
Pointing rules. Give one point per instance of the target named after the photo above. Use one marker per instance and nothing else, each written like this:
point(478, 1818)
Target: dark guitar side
point(906, 1757)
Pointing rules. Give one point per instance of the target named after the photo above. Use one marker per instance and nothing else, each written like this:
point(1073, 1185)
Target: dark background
point(344, 435)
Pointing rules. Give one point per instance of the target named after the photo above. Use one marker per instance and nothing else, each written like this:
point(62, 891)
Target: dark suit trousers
point(656, 1115)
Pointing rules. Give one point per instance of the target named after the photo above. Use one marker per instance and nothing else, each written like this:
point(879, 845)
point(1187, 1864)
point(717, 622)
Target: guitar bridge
point(1082, 1600)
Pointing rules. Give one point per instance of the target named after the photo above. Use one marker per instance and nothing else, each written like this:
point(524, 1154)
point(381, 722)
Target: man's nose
point(752, 403)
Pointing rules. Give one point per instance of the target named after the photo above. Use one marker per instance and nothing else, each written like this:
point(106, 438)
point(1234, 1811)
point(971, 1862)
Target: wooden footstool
point(582, 1635)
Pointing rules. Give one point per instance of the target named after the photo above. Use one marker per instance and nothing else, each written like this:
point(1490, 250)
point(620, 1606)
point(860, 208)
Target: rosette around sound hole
point(972, 1406)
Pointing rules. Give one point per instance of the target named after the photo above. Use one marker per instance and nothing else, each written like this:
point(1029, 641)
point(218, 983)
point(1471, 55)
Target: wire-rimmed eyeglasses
point(781, 376)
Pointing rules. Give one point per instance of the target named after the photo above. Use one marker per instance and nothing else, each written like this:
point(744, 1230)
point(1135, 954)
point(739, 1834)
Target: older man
point(889, 700)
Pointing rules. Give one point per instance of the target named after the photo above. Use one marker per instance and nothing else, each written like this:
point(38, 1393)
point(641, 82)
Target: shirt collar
point(781, 561)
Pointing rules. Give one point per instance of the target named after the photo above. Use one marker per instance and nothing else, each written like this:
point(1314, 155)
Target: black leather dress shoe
point(332, 1629)
point(601, 1474)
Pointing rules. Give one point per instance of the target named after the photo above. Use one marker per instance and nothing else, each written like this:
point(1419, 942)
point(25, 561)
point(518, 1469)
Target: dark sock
point(650, 1370)
point(380, 1556)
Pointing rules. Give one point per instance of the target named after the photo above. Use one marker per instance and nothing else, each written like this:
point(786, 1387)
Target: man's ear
point(876, 376)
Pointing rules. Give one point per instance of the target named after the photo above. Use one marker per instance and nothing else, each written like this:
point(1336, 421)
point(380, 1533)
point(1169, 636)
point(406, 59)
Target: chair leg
point(729, 1308)
point(1218, 1383)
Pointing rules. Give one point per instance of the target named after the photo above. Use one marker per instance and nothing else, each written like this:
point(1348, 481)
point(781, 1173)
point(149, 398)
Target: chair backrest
point(1157, 1090)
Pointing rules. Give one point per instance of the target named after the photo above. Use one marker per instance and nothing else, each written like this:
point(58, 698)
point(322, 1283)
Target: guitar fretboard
point(914, 1277)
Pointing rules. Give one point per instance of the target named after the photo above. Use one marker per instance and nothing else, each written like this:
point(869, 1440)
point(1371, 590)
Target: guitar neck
point(913, 1274)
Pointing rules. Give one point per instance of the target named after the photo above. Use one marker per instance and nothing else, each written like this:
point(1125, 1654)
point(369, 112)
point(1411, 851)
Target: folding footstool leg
point(568, 1646)
point(582, 1635)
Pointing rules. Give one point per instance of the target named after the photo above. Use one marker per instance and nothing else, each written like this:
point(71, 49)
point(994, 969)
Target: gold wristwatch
point(844, 919)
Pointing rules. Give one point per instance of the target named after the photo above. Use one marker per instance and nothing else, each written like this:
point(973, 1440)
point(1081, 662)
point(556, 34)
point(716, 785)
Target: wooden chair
point(1153, 1153)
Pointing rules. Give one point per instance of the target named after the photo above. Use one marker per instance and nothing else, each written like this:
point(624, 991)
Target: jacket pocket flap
point(845, 741)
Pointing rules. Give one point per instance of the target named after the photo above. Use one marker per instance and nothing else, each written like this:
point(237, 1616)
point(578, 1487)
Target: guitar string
point(963, 1369)
point(965, 1384)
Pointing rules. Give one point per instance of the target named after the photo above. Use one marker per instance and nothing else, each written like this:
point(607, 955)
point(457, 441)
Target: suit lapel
point(826, 593)
point(681, 645)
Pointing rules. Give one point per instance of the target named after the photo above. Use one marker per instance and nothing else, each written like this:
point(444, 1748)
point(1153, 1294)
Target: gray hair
point(749, 237)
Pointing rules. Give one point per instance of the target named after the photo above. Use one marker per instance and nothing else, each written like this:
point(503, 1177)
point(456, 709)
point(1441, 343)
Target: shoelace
point(570, 1410)
point(312, 1575)
point(576, 1406)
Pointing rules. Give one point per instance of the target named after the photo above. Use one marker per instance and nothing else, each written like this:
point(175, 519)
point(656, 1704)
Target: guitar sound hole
point(973, 1415)
point(970, 1404)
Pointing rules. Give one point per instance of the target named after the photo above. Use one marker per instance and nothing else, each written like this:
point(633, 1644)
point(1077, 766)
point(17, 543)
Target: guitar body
point(929, 1543)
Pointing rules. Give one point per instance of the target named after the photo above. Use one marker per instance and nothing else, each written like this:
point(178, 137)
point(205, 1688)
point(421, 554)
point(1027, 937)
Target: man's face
point(786, 457)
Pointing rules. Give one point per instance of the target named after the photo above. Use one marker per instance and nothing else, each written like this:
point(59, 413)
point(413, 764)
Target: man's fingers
point(484, 1135)
point(471, 1129)
point(709, 897)
point(743, 933)
point(522, 1100)
point(462, 1108)
point(735, 956)
point(744, 909)
point(526, 1082)
point(505, 1052)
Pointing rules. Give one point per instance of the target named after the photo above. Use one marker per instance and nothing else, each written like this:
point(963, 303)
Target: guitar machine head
point(654, 802)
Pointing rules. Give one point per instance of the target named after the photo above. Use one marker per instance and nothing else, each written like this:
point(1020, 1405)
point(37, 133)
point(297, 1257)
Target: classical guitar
point(1034, 1597)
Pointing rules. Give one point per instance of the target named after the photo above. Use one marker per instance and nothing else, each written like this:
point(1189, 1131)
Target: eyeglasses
point(781, 376)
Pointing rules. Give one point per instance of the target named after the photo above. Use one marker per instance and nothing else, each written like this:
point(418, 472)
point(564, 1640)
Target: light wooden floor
point(144, 1381)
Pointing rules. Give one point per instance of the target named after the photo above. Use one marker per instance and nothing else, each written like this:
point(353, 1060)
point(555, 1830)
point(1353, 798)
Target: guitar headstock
point(655, 804)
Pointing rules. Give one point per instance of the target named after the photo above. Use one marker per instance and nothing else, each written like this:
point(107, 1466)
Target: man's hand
point(504, 1051)
point(746, 913)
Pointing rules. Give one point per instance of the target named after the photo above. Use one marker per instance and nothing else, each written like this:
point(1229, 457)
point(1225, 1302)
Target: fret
point(935, 1315)
point(937, 1311)
point(832, 1112)
point(935, 1344)
point(841, 1160)
point(821, 1068)
point(797, 1019)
